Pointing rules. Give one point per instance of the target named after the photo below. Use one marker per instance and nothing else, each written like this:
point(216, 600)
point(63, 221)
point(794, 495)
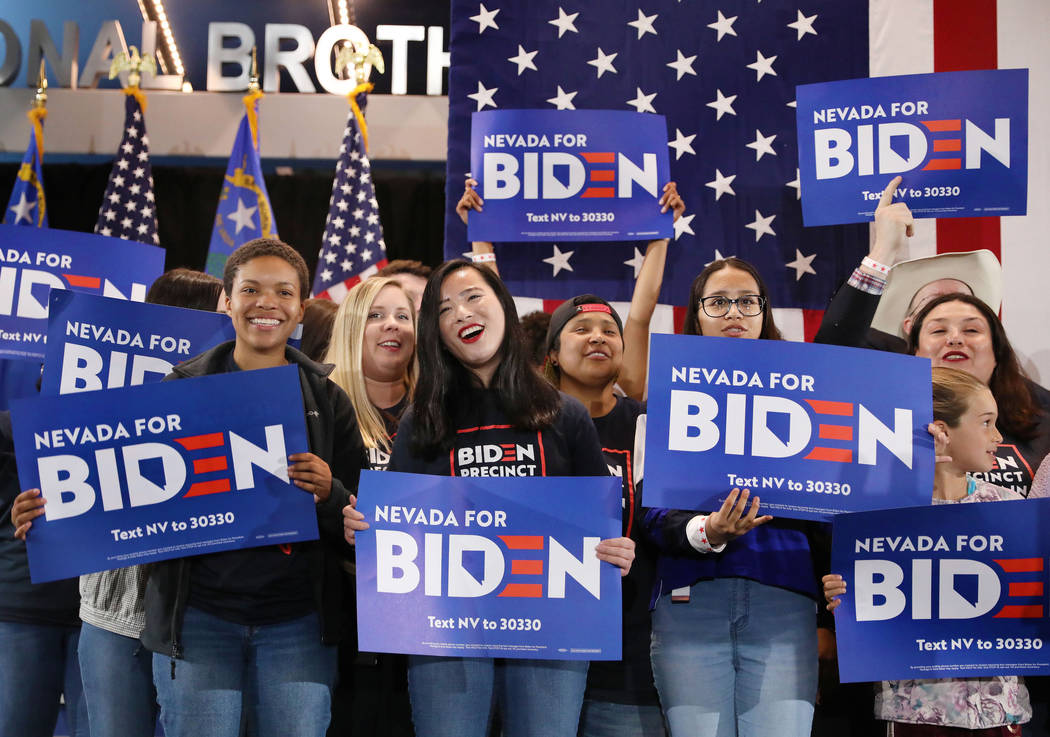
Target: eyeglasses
point(749, 305)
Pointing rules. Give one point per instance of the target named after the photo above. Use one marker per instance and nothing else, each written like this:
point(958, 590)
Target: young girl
point(734, 650)
point(964, 413)
point(476, 387)
point(257, 626)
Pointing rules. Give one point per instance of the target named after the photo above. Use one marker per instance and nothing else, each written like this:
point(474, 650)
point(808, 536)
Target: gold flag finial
point(253, 75)
point(358, 59)
point(134, 64)
point(40, 99)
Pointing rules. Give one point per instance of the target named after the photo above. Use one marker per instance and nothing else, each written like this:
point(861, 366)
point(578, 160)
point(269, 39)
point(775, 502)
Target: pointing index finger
point(891, 189)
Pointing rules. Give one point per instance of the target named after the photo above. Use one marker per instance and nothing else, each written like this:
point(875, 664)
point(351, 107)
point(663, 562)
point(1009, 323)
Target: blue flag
point(27, 205)
point(244, 211)
point(129, 209)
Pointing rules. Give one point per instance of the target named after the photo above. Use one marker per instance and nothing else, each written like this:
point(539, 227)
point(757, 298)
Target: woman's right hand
point(470, 200)
point(894, 224)
point(734, 518)
point(353, 521)
point(834, 587)
point(27, 507)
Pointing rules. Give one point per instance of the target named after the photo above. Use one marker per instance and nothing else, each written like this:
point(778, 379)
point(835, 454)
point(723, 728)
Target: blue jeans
point(608, 719)
point(454, 697)
point(282, 673)
point(38, 664)
point(739, 659)
point(118, 684)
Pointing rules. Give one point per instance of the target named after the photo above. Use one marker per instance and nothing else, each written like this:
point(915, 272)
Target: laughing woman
point(475, 387)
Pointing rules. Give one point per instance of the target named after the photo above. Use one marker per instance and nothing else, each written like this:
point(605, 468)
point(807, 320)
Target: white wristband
point(875, 265)
point(480, 258)
point(696, 533)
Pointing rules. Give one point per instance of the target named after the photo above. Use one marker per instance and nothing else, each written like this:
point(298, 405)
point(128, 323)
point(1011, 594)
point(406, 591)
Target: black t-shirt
point(1016, 460)
point(379, 459)
point(627, 681)
point(254, 586)
point(486, 445)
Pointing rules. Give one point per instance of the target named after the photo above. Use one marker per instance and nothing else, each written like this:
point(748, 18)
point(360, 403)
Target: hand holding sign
point(671, 200)
point(731, 521)
point(311, 474)
point(353, 521)
point(619, 551)
point(27, 507)
point(470, 200)
point(834, 587)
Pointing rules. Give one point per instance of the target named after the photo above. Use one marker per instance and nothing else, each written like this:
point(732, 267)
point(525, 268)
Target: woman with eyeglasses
point(734, 644)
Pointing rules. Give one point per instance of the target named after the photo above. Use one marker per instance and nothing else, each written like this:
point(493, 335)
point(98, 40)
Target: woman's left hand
point(670, 200)
point(619, 551)
point(311, 474)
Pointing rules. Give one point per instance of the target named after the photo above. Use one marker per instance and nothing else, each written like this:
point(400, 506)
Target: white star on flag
point(722, 185)
point(642, 102)
point(564, 22)
point(559, 260)
point(636, 262)
point(718, 257)
point(802, 264)
point(485, 18)
point(761, 225)
point(762, 145)
point(524, 59)
point(484, 96)
point(723, 25)
point(603, 63)
point(683, 225)
point(797, 186)
point(563, 100)
point(23, 208)
point(644, 23)
point(722, 104)
point(683, 64)
point(242, 216)
point(763, 65)
point(803, 25)
point(682, 144)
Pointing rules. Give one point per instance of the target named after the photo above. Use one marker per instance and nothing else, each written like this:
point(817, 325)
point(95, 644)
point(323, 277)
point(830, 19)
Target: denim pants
point(739, 659)
point(38, 664)
point(118, 684)
point(282, 673)
point(454, 697)
point(608, 719)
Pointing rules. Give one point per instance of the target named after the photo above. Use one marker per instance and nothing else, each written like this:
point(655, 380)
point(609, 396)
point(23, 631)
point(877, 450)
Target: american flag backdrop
point(353, 247)
point(724, 75)
point(129, 209)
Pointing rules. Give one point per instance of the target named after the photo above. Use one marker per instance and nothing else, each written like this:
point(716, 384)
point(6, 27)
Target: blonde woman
point(373, 348)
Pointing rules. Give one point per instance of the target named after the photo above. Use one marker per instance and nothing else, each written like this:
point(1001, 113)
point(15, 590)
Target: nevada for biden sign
point(812, 429)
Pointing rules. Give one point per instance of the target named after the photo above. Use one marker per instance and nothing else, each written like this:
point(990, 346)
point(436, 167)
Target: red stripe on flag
point(679, 319)
point(965, 37)
point(550, 305)
point(811, 323)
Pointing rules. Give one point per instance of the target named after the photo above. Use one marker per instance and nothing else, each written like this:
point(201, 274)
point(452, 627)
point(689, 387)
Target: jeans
point(38, 664)
point(454, 697)
point(282, 673)
point(607, 719)
point(118, 684)
point(739, 659)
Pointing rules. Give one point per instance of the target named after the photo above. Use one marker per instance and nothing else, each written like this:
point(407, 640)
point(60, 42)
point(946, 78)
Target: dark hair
point(185, 288)
point(405, 266)
point(692, 310)
point(534, 328)
point(529, 402)
point(1018, 411)
point(318, 318)
point(266, 247)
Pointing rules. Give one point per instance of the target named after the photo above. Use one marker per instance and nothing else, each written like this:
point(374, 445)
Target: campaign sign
point(948, 591)
point(163, 470)
point(812, 429)
point(100, 343)
point(584, 175)
point(488, 567)
point(959, 139)
point(33, 261)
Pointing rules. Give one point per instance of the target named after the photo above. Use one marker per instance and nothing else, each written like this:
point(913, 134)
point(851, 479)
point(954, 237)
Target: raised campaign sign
point(488, 567)
point(585, 175)
point(814, 430)
point(34, 261)
point(163, 470)
point(100, 343)
point(958, 139)
point(948, 591)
